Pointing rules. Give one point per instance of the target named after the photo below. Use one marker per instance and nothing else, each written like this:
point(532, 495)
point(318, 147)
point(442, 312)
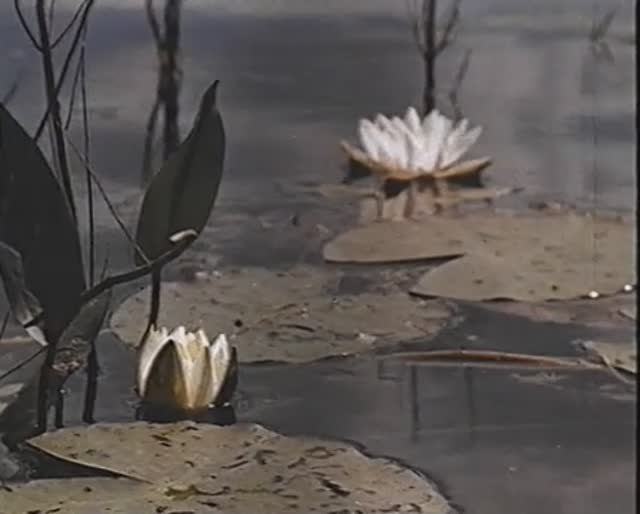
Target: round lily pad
point(550, 256)
point(286, 316)
point(189, 467)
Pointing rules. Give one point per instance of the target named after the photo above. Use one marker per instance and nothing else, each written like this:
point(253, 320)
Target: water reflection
point(293, 85)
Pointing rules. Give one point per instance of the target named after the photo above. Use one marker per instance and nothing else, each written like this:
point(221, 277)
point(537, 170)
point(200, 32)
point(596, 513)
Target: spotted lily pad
point(530, 258)
point(288, 316)
point(555, 258)
point(204, 468)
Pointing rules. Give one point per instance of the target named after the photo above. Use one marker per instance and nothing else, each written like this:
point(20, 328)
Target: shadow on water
point(495, 439)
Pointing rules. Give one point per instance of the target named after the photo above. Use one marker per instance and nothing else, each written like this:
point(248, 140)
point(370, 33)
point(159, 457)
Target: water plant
point(50, 290)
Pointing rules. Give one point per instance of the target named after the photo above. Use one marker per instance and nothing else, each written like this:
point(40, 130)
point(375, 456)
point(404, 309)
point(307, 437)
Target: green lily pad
point(288, 316)
point(204, 468)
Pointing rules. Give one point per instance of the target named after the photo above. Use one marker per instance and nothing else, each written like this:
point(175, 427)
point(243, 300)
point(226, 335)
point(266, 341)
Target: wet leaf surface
point(18, 419)
point(526, 258)
point(621, 355)
point(36, 221)
point(181, 195)
point(202, 468)
point(288, 316)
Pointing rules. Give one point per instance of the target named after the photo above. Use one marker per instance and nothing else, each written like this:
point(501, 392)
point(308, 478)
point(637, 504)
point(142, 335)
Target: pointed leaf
point(181, 195)
point(24, 305)
point(76, 340)
point(35, 220)
point(19, 420)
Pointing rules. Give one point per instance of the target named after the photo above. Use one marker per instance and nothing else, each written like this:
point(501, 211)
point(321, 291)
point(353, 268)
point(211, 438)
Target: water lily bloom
point(184, 371)
point(420, 147)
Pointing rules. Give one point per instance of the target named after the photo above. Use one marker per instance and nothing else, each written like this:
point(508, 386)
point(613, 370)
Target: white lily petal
point(438, 127)
point(380, 121)
point(369, 138)
point(386, 147)
point(220, 362)
point(151, 347)
point(193, 353)
point(457, 145)
point(412, 120)
point(178, 334)
point(429, 121)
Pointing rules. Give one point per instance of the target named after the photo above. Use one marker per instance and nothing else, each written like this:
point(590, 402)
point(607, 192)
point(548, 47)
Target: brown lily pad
point(623, 356)
point(204, 468)
point(612, 312)
point(550, 256)
point(288, 316)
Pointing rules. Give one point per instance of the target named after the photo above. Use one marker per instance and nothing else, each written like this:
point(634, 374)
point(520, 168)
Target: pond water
point(295, 78)
point(494, 439)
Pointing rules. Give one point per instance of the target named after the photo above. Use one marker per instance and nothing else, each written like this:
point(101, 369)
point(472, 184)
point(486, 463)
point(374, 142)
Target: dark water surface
point(494, 439)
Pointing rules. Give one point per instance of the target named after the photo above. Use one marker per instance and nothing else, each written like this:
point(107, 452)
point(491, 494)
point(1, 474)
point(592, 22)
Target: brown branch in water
point(65, 66)
point(110, 206)
point(147, 153)
point(70, 25)
point(54, 106)
point(450, 24)
point(170, 76)
point(457, 84)
point(169, 79)
point(491, 357)
point(25, 25)
point(430, 45)
point(153, 22)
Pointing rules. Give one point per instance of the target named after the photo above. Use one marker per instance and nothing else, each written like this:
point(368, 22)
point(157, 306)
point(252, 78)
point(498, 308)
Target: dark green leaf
point(181, 195)
point(36, 221)
point(19, 420)
point(24, 305)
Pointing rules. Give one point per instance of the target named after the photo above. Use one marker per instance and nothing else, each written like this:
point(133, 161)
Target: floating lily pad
point(288, 316)
point(623, 356)
point(529, 258)
point(204, 468)
point(613, 312)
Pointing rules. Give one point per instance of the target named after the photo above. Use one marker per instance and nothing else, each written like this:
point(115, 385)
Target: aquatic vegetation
point(423, 157)
point(184, 370)
point(182, 194)
point(546, 256)
point(198, 468)
point(289, 317)
point(47, 301)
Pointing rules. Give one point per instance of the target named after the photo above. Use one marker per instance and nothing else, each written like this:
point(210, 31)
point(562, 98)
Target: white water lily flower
point(419, 146)
point(183, 370)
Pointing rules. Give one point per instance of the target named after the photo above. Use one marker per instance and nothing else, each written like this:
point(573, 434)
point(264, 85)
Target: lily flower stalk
point(184, 371)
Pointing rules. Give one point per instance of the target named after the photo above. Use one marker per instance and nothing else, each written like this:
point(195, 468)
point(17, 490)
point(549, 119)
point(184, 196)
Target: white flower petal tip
point(420, 147)
point(184, 371)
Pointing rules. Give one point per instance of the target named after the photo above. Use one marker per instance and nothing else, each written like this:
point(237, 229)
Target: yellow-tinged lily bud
point(183, 370)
